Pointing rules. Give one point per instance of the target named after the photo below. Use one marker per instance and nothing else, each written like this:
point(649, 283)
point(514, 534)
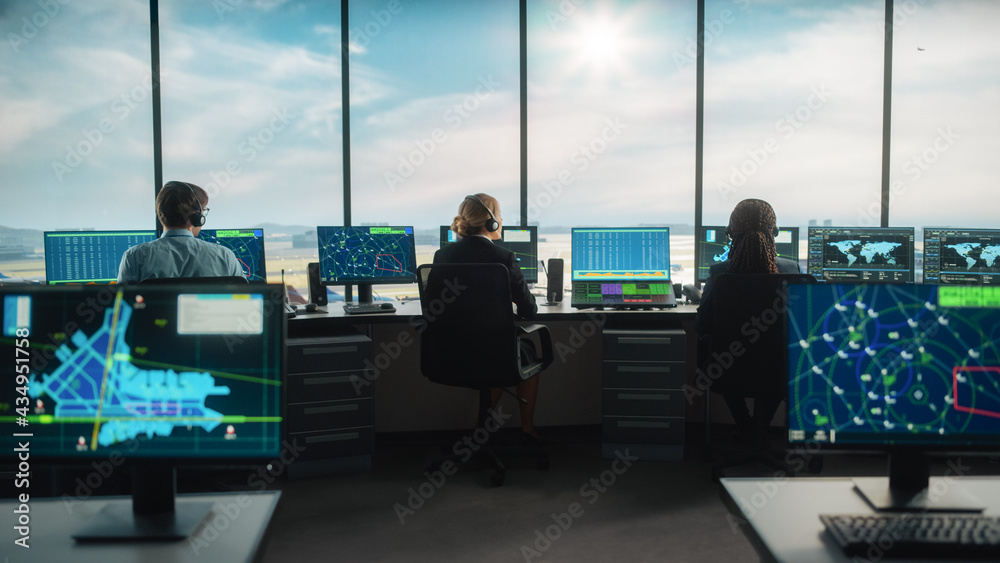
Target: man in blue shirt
point(181, 208)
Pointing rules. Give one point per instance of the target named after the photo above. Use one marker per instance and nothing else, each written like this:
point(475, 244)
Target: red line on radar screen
point(954, 389)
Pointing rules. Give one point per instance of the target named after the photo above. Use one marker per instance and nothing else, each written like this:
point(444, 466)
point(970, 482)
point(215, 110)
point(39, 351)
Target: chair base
point(491, 457)
point(487, 445)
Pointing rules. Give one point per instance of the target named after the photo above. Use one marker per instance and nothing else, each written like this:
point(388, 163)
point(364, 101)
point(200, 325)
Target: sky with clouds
point(252, 110)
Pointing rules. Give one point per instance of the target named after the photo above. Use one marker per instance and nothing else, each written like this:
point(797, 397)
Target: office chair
point(747, 312)
point(469, 339)
point(207, 280)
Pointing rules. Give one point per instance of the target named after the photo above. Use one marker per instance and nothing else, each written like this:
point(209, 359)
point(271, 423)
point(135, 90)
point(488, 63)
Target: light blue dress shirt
point(177, 254)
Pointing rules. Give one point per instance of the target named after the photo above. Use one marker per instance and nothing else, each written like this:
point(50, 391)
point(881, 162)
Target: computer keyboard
point(365, 308)
point(952, 535)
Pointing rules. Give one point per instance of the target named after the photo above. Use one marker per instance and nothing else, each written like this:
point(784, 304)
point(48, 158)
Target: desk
point(780, 517)
point(563, 311)
point(232, 532)
point(572, 392)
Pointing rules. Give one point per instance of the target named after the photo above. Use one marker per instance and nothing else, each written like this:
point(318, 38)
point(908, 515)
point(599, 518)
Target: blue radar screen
point(246, 244)
point(192, 375)
point(894, 364)
point(366, 254)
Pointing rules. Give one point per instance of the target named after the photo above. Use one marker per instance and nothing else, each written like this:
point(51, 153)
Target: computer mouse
point(311, 307)
point(387, 306)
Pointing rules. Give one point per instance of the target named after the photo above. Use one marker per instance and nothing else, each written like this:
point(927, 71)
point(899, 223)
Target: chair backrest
point(209, 280)
point(467, 333)
point(748, 335)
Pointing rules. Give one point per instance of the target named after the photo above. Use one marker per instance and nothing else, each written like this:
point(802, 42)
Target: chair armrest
point(545, 341)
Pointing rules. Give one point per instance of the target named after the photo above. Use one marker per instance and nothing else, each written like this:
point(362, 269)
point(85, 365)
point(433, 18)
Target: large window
point(434, 112)
point(77, 144)
point(611, 119)
point(793, 109)
point(945, 97)
point(252, 113)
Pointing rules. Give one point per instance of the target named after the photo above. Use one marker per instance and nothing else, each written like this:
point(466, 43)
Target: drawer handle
point(643, 369)
point(636, 424)
point(324, 380)
point(333, 438)
point(328, 350)
point(330, 409)
point(643, 397)
point(643, 340)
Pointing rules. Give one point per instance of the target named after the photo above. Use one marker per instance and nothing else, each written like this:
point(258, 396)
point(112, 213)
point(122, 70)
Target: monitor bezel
point(911, 231)
point(533, 229)
point(869, 446)
point(575, 230)
point(701, 242)
point(394, 280)
point(46, 235)
point(923, 269)
point(90, 297)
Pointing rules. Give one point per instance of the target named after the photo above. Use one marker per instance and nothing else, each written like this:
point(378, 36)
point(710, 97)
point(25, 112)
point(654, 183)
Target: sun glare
point(599, 42)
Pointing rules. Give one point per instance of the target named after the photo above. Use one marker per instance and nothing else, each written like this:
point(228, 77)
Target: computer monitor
point(522, 241)
point(910, 369)
point(714, 245)
point(247, 245)
point(861, 254)
point(621, 267)
point(88, 256)
point(145, 377)
point(366, 255)
point(961, 256)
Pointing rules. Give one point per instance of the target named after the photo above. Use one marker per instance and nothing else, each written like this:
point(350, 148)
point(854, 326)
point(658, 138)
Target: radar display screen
point(881, 364)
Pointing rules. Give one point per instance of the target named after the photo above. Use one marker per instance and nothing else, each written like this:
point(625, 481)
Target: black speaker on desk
point(317, 291)
point(554, 283)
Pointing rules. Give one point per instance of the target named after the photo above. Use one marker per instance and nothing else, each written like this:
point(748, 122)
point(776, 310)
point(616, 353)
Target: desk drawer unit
point(643, 380)
point(329, 408)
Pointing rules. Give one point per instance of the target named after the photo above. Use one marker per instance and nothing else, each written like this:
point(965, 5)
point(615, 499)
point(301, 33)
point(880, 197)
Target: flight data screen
point(621, 254)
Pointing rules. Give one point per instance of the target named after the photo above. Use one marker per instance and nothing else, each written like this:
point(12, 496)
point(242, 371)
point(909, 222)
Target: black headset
point(774, 231)
point(197, 218)
point(492, 225)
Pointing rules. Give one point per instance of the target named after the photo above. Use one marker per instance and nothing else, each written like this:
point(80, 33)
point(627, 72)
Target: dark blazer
point(703, 322)
point(475, 249)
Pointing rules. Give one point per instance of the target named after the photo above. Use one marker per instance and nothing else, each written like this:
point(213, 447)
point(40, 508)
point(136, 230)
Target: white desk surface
point(232, 532)
point(784, 513)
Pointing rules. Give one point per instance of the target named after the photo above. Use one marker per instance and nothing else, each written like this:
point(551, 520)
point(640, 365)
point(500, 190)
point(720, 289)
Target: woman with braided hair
point(752, 228)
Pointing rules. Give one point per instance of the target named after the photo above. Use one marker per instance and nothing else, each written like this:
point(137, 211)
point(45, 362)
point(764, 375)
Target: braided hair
point(752, 226)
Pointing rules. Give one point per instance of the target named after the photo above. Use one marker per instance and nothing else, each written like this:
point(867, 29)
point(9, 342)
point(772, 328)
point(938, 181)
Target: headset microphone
point(197, 218)
point(492, 225)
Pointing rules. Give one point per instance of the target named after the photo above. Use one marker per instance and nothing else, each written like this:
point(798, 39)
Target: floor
point(583, 508)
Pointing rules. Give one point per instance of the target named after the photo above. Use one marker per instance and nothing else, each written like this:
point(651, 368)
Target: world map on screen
point(973, 252)
point(872, 251)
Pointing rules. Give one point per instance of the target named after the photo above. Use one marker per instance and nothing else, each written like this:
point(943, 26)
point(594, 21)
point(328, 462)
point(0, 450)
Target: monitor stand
point(907, 489)
point(364, 293)
point(151, 516)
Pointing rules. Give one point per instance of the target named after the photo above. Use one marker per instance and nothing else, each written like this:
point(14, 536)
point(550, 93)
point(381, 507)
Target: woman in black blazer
point(478, 224)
